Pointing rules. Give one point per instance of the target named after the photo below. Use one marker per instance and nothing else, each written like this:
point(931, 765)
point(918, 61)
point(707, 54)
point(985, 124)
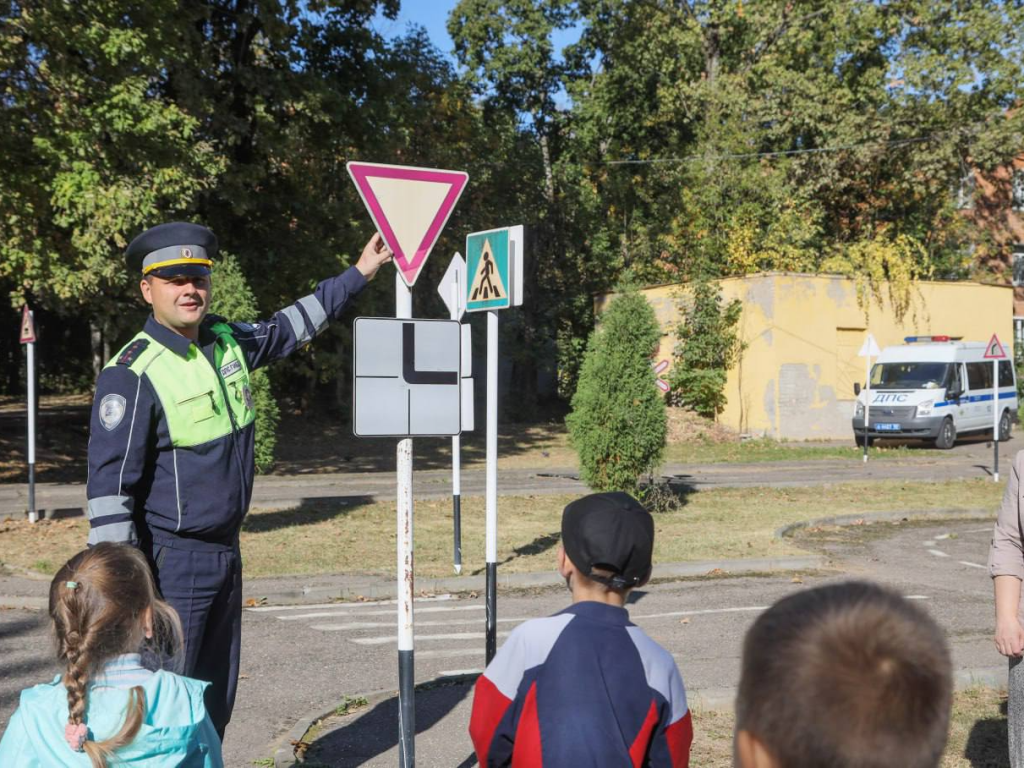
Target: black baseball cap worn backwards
point(172, 249)
point(610, 532)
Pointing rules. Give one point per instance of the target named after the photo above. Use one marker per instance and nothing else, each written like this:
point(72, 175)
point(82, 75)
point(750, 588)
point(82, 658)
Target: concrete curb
point(886, 517)
point(29, 603)
point(707, 699)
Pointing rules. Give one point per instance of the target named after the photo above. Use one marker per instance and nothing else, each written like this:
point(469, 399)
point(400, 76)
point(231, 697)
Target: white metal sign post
point(868, 350)
point(453, 292)
point(995, 352)
point(410, 207)
point(494, 281)
point(28, 338)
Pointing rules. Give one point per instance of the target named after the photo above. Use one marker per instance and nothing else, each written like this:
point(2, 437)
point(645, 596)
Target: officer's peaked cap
point(175, 248)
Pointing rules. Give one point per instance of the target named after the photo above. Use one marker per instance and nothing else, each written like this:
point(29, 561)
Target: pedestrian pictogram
point(28, 327)
point(487, 284)
point(494, 263)
point(410, 207)
point(994, 350)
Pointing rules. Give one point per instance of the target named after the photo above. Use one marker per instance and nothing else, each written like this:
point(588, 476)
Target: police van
point(935, 388)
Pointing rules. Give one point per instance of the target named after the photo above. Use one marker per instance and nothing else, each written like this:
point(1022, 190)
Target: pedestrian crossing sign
point(494, 267)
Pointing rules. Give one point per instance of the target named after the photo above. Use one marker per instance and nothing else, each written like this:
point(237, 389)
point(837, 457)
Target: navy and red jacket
point(582, 687)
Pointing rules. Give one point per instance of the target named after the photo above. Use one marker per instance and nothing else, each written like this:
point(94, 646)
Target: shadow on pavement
point(373, 733)
point(986, 744)
point(312, 511)
point(535, 547)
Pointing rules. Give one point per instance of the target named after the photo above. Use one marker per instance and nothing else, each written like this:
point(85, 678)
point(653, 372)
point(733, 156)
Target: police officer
point(171, 445)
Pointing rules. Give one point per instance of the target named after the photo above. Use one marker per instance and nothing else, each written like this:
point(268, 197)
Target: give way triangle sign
point(410, 207)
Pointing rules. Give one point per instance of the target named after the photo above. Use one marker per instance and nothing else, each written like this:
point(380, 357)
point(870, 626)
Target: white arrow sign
point(453, 287)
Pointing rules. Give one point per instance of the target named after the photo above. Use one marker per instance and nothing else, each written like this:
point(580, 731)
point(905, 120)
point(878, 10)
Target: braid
point(97, 600)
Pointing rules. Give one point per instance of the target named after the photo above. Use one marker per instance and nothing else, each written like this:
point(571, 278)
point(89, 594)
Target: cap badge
point(186, 253)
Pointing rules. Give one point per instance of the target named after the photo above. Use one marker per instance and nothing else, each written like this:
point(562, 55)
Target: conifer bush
point(234, 300)
point(617, 424)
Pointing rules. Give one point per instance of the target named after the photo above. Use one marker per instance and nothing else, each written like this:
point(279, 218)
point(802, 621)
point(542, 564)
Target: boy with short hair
point(846, 675)
point(585, 687)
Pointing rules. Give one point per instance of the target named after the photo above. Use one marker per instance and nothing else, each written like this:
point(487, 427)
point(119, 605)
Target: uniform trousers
point(204, 585)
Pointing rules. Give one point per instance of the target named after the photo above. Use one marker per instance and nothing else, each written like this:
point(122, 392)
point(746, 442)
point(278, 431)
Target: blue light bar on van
point(915, 339)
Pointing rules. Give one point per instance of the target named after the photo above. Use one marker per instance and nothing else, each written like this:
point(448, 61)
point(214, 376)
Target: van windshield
point(910, 375)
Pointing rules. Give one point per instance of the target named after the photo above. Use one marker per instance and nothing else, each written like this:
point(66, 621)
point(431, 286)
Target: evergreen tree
point(617, 424)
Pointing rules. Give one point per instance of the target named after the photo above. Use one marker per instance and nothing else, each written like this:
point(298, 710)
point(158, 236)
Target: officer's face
point(180, 303)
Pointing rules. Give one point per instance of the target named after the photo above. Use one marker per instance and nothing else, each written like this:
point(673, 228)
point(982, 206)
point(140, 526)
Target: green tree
point(707, 347)
point(93, 151)
point(234, 300)
point(618, 424)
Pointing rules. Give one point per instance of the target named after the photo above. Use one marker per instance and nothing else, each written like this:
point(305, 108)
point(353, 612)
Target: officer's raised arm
point(122, 412)
point(296, 325)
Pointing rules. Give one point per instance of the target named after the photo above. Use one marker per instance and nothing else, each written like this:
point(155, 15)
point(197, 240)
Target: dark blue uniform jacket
point(141, 490)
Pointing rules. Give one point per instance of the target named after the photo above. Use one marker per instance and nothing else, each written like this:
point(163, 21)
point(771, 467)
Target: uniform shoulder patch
point(111, 411)
point(132, 351)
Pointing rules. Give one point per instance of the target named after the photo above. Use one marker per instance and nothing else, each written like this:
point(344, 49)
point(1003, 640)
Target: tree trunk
point(99, 354)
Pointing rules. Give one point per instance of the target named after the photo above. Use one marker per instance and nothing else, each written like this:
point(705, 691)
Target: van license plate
point(888, 427)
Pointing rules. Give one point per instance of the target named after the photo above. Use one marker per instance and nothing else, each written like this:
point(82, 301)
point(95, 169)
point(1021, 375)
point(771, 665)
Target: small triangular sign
point(487, 282)
point(994, 350)
point(410, 207)
point(869, 348)
point(28, 326)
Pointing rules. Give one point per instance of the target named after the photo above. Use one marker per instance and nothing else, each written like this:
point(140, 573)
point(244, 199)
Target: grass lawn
point(332, 538)
point(751, 451)
point(977, 733)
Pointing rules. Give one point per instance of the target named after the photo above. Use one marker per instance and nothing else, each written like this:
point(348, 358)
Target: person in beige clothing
point(1006, 566)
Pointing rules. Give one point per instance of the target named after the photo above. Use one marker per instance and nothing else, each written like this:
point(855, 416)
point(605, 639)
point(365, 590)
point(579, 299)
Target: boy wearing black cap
point(585, 686)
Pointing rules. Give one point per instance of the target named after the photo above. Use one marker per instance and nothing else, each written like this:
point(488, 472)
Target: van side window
point(1005, 374)
point(979, 376)
point(956, 381)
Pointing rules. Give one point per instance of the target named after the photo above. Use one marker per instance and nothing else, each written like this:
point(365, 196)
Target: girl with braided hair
point(109, 708)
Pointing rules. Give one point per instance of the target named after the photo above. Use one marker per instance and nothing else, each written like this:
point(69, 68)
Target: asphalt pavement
point(304, 659)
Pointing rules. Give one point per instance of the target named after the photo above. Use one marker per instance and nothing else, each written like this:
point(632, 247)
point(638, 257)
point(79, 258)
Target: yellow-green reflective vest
point(200, 402)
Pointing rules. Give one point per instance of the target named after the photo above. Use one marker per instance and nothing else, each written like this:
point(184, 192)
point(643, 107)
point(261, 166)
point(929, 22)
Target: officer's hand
point(375, 254)
point(1009, 637)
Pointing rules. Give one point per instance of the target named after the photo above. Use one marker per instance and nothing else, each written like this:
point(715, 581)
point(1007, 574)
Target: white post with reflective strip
point(456, 291)
point(995, 420)
point(31, 373)
point(491, 491)
point(406, 674)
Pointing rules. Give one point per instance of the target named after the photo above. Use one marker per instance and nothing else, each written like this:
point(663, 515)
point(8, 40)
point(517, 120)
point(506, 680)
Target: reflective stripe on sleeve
point(316, 312)
point(103, 506)
point(298, 323)
point(121, 531)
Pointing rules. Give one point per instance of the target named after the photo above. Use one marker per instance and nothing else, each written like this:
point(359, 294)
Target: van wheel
point(947, 435)
point(1004, 426)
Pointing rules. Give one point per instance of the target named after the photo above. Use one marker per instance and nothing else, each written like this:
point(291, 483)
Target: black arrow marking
point(409, 372)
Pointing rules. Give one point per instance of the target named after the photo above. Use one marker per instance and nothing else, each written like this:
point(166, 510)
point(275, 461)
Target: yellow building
point(801, 333)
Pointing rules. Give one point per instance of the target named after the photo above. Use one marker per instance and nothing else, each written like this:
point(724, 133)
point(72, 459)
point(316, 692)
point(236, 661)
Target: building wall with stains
point(801, 334)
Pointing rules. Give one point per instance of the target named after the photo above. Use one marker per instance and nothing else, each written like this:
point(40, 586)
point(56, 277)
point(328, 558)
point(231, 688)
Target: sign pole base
point(492, 611)
point(406, 710)
point(32, 515)
point(457, 516)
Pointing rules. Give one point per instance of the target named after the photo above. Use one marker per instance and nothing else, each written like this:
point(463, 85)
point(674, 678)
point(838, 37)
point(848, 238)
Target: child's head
point(103, 603)
point(843, 675)
point(607, 539)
